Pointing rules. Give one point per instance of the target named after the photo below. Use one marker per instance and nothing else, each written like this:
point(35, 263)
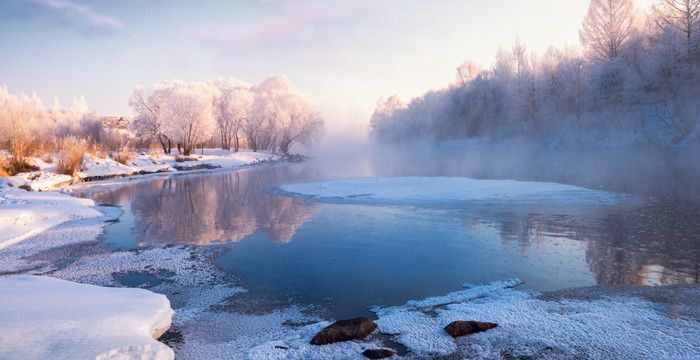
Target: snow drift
point(24, 214)
point(48, 318)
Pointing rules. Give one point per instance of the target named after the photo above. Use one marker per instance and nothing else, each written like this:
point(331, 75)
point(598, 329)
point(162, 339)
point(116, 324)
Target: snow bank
point(40, 180)
point(228, 159)
point(24, 213)
point(448, 189)
point(619, 327)
point(95, 168)
point(47, 318)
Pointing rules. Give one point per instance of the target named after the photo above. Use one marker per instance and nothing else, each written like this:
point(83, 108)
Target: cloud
point(79, 15)
point(295, 19)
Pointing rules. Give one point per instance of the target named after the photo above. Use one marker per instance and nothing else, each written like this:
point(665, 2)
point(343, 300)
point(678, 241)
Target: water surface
point(344, 258)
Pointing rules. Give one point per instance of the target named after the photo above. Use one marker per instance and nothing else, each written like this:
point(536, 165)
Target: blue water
point(344, 258)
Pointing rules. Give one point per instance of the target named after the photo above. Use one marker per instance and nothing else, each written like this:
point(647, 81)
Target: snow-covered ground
point(448, 189)
point(615, 326)
point(27, 213)
point(98, 168)
point(48, 318)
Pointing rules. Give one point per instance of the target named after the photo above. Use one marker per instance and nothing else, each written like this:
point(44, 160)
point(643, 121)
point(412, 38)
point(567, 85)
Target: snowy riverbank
point(25, 213)
point(214, 317)
point(100, 168)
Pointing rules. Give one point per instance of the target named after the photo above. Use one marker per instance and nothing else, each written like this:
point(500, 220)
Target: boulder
point(377, 353)
point(461, 328)
point(344, 330)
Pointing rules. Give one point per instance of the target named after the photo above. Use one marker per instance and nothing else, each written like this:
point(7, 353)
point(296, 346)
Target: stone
point(344, 330)
point(377, 353)
point(461, 328)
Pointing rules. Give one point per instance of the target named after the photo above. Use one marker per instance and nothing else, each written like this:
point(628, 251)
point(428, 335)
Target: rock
point(344, 330)
point(377, 353)
point(461, 328)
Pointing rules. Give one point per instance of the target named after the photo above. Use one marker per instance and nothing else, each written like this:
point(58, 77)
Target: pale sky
point(343, 55)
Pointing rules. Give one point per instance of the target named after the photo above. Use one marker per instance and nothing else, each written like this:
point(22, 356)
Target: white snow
point(48, 318)
point(25, 213)
point(97, 168)
point(40, 180)
point(94, 166)
point(609, 328)
point(448, 189)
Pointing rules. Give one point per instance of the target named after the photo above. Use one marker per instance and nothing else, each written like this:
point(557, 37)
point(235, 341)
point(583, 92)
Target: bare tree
point(680, 15)
point(606, 27)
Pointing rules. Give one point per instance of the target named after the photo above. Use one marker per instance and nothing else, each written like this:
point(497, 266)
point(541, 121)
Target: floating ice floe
point(448, 189)
point(48, 318)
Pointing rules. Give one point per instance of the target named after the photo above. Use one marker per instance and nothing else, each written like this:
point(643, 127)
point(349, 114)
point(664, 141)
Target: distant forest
point(636, 81)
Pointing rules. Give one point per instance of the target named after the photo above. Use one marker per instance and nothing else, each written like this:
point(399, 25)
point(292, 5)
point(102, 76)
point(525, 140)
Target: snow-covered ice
point(26, 213)
point(48, 318)
point(448, 189)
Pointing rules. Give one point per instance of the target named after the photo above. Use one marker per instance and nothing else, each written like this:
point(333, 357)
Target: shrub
point(70, 158)
point(13, 166)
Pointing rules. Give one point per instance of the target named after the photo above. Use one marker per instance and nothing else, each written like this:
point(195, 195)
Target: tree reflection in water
point(653, 244)
point(211, 208)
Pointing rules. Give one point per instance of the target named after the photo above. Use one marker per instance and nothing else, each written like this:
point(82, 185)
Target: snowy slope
point(448, 189)
point(48, 318)
point(24, 213)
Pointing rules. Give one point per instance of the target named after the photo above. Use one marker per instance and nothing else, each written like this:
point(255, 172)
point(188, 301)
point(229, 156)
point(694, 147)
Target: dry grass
point(123, 156)
point(98, 150)
point(13, 166)
point(4, 166)
point(156, 150)
point(70, 158)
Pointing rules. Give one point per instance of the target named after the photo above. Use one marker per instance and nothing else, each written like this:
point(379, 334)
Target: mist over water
point(343, 258)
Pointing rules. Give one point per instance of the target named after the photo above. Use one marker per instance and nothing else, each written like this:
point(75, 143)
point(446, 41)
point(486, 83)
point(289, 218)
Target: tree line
point(175, 115)
point(636, 80)
point(185, 115)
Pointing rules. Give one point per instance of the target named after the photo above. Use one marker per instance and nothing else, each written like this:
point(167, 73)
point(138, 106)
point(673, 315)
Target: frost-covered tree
point(268, 112)
point(606, 27)
point(232, 109)
point(682, 16)
point(270, 116)
point(382, 123)
point(147, 104)
point(300, 122)
point(467, 72)
point(187, 115)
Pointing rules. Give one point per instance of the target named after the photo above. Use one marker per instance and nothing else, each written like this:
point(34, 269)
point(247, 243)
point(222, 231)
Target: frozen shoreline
point(27, 213)
point(98, 169)
point(562, 325)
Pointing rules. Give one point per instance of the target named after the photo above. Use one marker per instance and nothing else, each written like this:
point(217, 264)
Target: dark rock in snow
point(377, 353)
point(461, 328)
point(344, 330)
